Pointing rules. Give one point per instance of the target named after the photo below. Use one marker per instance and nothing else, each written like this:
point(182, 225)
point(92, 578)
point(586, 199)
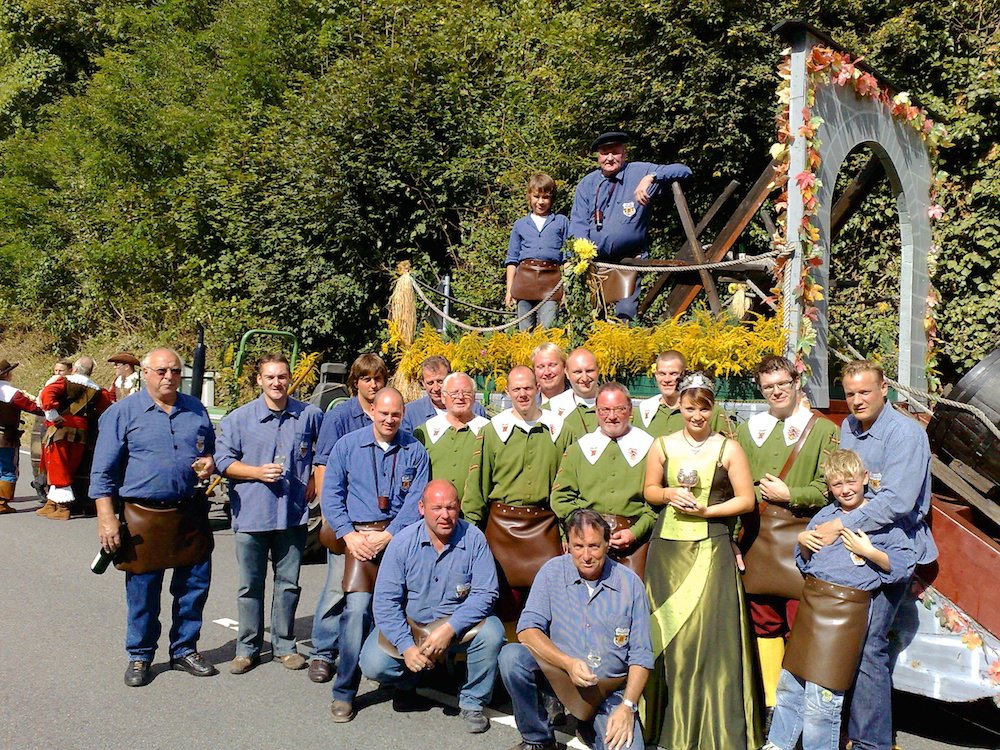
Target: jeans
point(544, 317)
point(524, 681)
point(285, 547)
point(355, 624)
point(870, 724)
point(807, 709)
point(189, 588)
point(326, 621)
point(8, 464)
point(481, 665)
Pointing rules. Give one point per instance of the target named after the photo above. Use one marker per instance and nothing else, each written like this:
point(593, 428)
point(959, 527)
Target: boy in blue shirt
point(535, 254)
point(825, 644)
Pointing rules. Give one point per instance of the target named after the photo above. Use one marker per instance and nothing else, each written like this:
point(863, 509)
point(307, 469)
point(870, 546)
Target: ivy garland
point(826, 66)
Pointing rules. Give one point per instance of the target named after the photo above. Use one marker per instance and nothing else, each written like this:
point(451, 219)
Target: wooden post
point(692, 236)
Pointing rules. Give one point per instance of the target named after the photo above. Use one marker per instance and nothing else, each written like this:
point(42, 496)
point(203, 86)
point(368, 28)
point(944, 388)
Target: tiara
point(696, 380)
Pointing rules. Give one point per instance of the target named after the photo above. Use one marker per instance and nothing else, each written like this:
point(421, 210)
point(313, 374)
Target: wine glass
point(593, 659)
point(687, 477)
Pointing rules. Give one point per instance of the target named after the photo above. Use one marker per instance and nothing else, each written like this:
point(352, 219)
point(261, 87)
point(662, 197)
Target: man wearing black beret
point(611, 206)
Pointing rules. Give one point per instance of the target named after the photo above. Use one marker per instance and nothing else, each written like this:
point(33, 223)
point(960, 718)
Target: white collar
point(634, 445)
point(505, 422)
point(648, 408)
point(83, 380)
point(437, 426)
point(762, 423)
point(567, 401)
point(7, 392)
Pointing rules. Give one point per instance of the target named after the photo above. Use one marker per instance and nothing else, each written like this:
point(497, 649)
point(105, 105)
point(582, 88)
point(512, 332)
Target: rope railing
point(483, 329)
point(763, 261)
point(457, 301)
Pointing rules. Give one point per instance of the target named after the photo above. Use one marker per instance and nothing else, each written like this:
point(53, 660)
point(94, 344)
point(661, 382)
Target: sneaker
point(475, 721)
point(242, 664)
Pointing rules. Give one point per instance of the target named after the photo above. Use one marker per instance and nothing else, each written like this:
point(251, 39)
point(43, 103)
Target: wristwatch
point(629, 704)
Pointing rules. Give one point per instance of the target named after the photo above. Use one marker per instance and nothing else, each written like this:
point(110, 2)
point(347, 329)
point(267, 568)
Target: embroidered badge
point(621, 637)
point(761, 434)
point(303, 449)
point(875, 481)
point(437, 431)
point(628, 209)
point(857, 559)
point(406, 481)
point(199, 444)
point(593, 451)
point(633, 453)
point(504, 427)
point(793, 433)
point(562, 410)
point(462, 590)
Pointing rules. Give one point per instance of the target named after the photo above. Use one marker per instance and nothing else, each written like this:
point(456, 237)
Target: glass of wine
point(687, 477)
point(593, 658)
point(282, 460)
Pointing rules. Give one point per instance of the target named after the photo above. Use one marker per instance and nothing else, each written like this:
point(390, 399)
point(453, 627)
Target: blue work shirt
point(416, 582)
point(833, 563)
point(419, 411)
point(254, 435)
point(527, 241)
point(626, 222)
point(897, 456)
point(359, 471)
point(143, 452)
point(345, 417)
point(614, 622)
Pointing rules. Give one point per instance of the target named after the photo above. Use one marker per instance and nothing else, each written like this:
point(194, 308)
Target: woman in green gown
point(704, 691)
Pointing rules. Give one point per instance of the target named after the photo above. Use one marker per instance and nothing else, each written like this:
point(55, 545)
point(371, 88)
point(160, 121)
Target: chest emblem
point(875, 481)
point(303, 448)
point(593, 451)
point(761, 434)
point(857, 559)
point(621, 637)
point(462, 590)
point(504, 427)
point(793, 433)
point(628, 209)
point(633, 453)
point(437, 431)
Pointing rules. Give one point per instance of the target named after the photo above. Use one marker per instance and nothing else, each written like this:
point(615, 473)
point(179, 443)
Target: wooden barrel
point(961, 439)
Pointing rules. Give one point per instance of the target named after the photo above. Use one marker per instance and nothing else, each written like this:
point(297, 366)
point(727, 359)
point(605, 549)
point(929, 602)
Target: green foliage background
point(267, 162)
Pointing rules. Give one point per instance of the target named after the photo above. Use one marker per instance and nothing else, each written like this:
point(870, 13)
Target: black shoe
point(193, 663)
point(137, 673)
point(407, 701)
point(476, 722)
point(535, 746)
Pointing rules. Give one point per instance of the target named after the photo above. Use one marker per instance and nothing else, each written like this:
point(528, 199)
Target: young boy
point(535, 255)
point(829, 632)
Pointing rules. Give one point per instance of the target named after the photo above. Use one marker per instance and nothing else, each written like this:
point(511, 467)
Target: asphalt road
point(62, 630)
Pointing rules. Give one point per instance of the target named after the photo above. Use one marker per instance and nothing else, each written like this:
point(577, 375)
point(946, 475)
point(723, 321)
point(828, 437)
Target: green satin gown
point(704, 692)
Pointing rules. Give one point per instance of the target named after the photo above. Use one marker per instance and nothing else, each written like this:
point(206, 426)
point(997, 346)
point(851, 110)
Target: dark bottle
point(102, 561)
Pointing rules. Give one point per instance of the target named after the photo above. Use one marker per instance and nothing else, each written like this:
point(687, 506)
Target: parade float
point(830, 105)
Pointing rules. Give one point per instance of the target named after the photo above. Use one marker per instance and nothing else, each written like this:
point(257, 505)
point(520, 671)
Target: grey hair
point(146, 360)
point(84, 365)
point(453, 375)
point(583, 518)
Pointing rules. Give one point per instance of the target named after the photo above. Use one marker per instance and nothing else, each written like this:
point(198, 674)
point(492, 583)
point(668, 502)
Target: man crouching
point(585, 636)
point(434, 594)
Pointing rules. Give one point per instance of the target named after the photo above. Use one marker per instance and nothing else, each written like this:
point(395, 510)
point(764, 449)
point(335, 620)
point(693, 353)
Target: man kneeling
point(434, 594)
point(585, 636)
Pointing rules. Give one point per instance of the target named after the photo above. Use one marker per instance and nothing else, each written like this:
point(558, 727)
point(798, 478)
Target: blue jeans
point(870, 724)
point(285, 547)
point(8, 464)
point(189, 588)
point(326, 621)
point(807, 709)
point(481, 665)
point(355, 624)
point(544, 317)
point(525, 683)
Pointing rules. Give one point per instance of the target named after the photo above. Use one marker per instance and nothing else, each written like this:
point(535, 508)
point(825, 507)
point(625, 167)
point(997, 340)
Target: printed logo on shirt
point(875, 481)
point(621, 637)
point(628, 209)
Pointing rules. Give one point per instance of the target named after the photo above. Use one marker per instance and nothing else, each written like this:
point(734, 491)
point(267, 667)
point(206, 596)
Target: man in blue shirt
point(895, 451)
point(368, 375)
point(611, 207)
point(587, 617)
point(441, 573)
point(371, 488)
point(265, 450)
point(433, 371)
point(147, 449)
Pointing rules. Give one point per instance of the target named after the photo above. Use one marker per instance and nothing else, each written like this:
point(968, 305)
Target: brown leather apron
point(581, 702)
point(829, 633)
point(421, 632)
point(634, 557)
point(617, 285)
point(522, 540)
point(328, 538)
point(535, 278)
point(359, 575)
point(157, 537)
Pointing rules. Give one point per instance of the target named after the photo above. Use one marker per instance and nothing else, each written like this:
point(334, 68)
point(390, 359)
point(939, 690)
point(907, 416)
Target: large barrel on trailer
point(961, 439)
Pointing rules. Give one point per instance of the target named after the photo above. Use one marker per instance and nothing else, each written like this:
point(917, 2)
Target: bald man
point(577, 406)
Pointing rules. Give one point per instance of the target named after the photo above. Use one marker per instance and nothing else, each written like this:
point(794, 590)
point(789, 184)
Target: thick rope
point(930, 397)
point(484, 329)
point(762, 261)
point(431, 289)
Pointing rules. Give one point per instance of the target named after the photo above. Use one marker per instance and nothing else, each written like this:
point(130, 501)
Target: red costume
point(12, 403)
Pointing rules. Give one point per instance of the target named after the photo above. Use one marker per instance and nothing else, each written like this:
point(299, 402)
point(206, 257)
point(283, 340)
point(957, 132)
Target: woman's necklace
point(694, 447)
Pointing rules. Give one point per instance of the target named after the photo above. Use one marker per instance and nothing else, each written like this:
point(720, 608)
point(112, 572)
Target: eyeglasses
point(459, 394)
point(605, 411)
point(784, 385)
point(162, 371)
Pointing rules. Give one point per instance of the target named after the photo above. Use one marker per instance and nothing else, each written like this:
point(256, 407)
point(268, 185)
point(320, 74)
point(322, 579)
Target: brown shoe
point(341, 712)
point(4, 508)
point(320, 671)
point(46, 510)
point(292, 661)
point(242, 664)
point(59, 513)
point(6, 495)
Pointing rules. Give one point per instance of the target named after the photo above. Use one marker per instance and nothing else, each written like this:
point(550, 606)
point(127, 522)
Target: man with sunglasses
point(152, 450)
point(769, 439)
point(611, 207)
point(605, 470)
